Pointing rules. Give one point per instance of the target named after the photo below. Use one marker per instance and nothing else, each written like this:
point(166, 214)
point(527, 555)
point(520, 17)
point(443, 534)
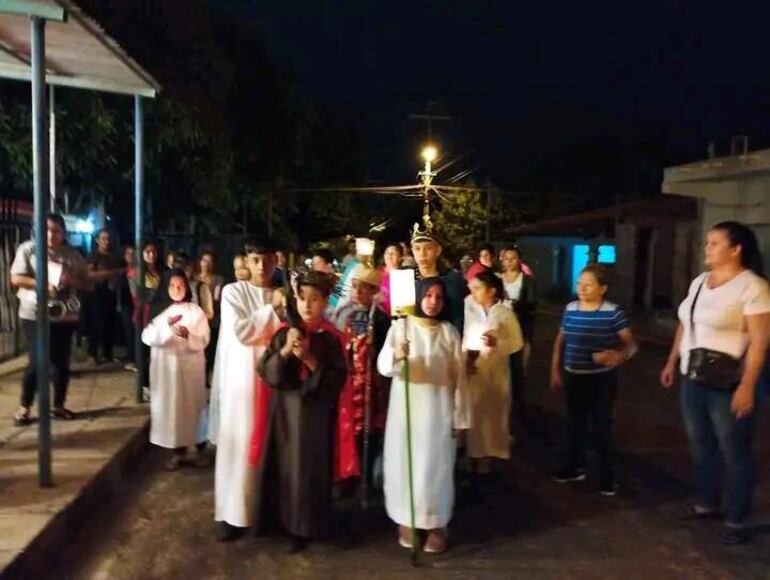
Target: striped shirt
point(586, 333)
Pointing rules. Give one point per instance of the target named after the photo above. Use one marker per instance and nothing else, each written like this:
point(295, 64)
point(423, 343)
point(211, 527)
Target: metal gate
point(15, 227)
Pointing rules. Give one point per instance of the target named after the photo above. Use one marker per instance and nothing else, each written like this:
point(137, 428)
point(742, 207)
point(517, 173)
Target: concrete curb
point(13, 365)
point(37, 558)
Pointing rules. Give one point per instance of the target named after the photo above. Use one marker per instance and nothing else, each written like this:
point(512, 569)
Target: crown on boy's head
point(424, 234)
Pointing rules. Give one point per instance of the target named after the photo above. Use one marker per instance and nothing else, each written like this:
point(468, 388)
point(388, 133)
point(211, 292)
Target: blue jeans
point(717, 438)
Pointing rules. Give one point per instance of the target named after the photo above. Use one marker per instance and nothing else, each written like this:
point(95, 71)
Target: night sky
point(529, 82)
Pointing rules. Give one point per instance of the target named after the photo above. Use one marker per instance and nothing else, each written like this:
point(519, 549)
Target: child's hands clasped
point(294, 344)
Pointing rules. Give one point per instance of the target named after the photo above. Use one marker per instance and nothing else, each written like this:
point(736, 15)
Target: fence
point(15, 227)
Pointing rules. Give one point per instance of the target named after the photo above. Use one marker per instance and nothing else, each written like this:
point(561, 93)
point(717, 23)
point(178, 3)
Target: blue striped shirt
point(586, 333)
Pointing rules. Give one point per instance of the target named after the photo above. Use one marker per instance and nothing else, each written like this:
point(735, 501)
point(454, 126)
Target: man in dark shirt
point(102, 303)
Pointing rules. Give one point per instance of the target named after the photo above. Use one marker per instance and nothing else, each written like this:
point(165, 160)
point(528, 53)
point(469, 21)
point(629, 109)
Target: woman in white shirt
point(729, 307)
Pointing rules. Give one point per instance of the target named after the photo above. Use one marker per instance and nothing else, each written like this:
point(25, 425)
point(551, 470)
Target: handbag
point(711, 368)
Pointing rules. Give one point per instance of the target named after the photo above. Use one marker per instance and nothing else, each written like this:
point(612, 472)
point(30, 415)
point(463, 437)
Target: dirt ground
point(521, 525)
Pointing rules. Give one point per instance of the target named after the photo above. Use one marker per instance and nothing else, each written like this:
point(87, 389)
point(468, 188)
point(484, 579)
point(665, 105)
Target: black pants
point(60, 347)
point(591, 397)
point(102, 318)
point(518, 409)
point(144, 368)
point(211, 352)
point(127, 323)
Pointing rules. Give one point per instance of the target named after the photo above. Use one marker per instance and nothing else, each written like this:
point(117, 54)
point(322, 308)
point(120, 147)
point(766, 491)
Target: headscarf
point(421, 289)
point(161, 299)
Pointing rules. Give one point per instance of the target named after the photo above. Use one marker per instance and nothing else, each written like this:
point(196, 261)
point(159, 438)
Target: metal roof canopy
point(79, 53)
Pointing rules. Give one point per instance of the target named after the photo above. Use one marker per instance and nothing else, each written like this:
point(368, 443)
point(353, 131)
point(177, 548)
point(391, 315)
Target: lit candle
point(403, 298)
point(364, 247)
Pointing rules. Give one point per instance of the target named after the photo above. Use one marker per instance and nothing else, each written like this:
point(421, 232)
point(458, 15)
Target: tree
point(460, 220)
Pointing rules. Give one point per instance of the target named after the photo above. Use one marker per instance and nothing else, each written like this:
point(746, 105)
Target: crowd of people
point(309, 385)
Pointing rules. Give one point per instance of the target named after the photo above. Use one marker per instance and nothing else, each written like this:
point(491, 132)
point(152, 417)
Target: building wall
point(551, 258)
point(745, 199)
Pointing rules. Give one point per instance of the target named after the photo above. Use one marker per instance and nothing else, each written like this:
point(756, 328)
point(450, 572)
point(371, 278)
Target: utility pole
point(430, 153)
point(429, 116)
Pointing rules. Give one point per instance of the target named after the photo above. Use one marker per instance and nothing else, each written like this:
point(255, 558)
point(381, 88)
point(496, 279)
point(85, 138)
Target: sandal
point(405, 537)
point(21, 417)
point(62, 413)
point(436, 542)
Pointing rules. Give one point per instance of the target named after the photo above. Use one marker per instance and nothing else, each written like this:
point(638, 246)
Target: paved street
point(525, 526)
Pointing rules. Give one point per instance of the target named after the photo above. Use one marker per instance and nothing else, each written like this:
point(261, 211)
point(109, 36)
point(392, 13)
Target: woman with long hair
point(521, 294)
point(719, 349)
point(152, 272)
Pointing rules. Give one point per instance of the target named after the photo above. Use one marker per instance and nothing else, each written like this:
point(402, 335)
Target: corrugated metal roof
point(79, 53)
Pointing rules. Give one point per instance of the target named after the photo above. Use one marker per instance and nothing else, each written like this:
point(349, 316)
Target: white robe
point(490, 385)
point(248, 321)
point(438, 401)
point(177, 375)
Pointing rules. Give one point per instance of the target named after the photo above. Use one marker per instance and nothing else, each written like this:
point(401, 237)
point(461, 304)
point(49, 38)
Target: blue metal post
point(40, 181)
point(139, 216)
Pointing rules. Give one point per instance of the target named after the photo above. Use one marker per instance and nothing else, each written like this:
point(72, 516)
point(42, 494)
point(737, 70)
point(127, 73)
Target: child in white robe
point(177, 335)
point(492, 333)
point(438, 402)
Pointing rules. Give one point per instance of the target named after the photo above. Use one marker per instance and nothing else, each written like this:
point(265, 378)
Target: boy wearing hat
point(363, 400)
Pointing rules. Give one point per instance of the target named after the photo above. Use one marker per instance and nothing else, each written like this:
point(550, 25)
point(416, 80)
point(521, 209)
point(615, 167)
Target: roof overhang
point(680, 179)
point(79, 53)
point(651, 211)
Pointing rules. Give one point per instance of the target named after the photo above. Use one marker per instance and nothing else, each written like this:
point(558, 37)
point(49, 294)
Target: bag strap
point(692, 311)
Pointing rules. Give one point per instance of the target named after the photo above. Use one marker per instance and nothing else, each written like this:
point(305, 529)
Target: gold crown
point(424, 234)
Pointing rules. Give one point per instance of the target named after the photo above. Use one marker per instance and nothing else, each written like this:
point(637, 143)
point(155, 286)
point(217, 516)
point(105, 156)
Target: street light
point(429, 153)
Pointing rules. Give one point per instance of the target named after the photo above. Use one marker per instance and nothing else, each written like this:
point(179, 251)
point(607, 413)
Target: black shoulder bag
point(711, 368)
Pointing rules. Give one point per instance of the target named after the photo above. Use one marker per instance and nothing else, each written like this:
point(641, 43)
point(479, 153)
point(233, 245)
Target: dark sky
point(528, 81)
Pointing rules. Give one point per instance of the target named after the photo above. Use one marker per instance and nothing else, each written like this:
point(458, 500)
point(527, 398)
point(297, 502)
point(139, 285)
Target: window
point(606, 255)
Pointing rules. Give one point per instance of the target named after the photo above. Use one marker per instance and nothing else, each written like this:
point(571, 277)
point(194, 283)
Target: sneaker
point(297, 544)
point(609, 490)
point(146, 394)
point(130, 367)
point(735, 536)
point(569, 475)
point(696, 512)
point(203, 459)
point(228, 533)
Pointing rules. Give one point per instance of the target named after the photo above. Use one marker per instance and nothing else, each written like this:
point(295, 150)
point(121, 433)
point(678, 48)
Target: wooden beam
point(44, 10)
point(78, 82)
